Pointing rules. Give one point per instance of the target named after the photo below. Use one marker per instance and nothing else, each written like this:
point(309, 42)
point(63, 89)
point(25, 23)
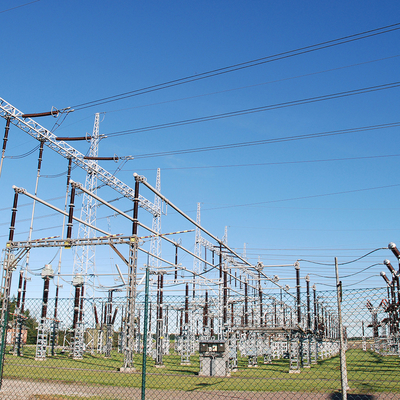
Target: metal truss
point(38, 132)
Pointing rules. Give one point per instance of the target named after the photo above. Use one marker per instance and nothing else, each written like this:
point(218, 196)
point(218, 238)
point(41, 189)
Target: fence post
point(145, 322)
point(3, 344)
point(343, 365)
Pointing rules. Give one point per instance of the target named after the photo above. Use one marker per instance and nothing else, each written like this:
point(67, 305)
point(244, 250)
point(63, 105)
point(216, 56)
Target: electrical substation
point(181, 293)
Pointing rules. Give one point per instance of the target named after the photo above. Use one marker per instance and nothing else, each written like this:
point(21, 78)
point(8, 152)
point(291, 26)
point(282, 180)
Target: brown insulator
point(45, 297)
point(21, 278)
point(23, 296)
point(95, 314)
point(176, 262)
point(114, 316)
point(69, 171)
point(205, 311)
point(40, 158)
point(71, 213)
point(135, 207)
point(70, 139)
point(114, 158)
point(225, 298)
point(56, 303)
point(6, 134)
point(105, 314)
point(53, 113)
point(187, 304)
point(161, 295)
point(13, 216)
point(76, 306)
point(220, 261)
point(392, 246)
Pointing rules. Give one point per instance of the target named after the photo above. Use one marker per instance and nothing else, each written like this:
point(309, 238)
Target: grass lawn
point(368, 372)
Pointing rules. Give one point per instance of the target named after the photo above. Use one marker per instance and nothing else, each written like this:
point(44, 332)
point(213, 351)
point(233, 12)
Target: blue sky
point(312, 199)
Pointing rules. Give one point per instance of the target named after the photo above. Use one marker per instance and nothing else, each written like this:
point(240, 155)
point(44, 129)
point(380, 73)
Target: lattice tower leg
point(19, 326)
point(41, 343)
point(294, 354)
point(131, 305)
point(79, 342)
point(159, 343)
point(233, 351)
point(186, 347)
point(54, 337)
point(109, 339)
point(99, 348)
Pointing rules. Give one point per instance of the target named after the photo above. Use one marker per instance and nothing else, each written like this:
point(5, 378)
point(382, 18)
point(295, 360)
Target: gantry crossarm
point(38, 132)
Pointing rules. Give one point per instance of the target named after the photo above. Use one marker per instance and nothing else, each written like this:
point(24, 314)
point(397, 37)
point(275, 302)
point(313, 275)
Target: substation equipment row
point(294, 329)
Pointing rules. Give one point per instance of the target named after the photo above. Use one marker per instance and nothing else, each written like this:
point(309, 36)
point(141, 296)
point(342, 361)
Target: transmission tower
point(155, 244)
point(197, 244)
point(84, 259)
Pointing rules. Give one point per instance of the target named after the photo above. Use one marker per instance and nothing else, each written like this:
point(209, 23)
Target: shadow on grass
point(201, 386)
point(352, 396)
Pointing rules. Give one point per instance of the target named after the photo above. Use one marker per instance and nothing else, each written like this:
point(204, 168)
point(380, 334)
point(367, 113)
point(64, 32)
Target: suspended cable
point(353, 284)
point(303, 197)
point(347, 262)
point(269, 141)
point(257, 109)
point(243, 65)
point(251, 86)
point(346, 276)
point(21, 5)
point(28, 153)
point(269, 163)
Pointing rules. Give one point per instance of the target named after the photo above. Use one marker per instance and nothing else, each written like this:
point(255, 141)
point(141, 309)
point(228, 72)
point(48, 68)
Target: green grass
point(368, 372)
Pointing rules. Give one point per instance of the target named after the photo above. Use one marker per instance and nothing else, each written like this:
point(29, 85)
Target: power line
point(270, 163)
point(257, 109)
point(22, 5)
point(240, 66)
point(252, 86)
point(303, 197)
point(346, 262)
point(269, 141)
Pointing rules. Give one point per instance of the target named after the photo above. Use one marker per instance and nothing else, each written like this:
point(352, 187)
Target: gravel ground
point(26, 390)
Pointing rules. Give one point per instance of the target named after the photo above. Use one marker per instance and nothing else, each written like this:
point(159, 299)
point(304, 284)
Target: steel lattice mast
point(197, 243)
point(155, 244)
point(84, 260)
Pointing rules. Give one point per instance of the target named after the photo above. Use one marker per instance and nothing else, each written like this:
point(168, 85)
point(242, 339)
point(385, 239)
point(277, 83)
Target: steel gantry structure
point(38, 132)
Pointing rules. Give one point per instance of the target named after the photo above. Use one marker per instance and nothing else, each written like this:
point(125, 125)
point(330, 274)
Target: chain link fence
point(185, 347)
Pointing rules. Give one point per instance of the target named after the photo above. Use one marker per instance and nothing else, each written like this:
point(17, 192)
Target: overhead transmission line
point(257, 109)
point(21, 5)
point(240, 66)
point(260, 203)
point(270, 163)
point(251, 86)
point(269, 141)
point(346, 262)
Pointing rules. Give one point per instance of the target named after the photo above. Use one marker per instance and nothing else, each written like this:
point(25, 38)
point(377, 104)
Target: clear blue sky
point(310, 199)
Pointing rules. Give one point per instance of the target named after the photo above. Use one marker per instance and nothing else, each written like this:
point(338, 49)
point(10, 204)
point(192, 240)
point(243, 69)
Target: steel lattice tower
point(155, 244)
point(84, 259)
point(197, 244)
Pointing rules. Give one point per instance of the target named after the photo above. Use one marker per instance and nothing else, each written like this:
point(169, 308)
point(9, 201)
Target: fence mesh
point(196, 348)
